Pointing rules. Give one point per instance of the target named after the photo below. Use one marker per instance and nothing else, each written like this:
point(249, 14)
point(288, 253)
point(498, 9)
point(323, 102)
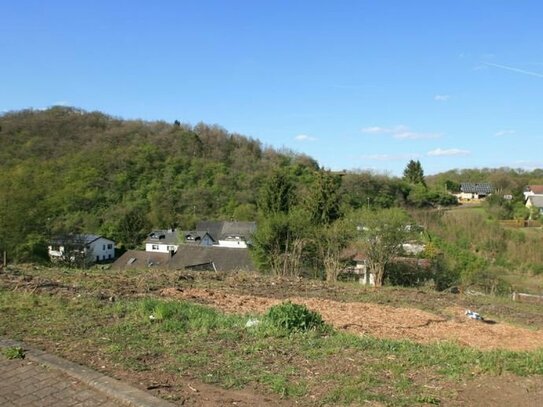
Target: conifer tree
point(413, 173)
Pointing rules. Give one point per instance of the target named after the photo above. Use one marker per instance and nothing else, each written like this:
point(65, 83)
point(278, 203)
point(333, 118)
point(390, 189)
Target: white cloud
point(400, 132)
point(389, 157)
point(304, 137)
point(376, 130)
point(447, 152)
point(505, 133)
point(442, 98)
point(411, 135)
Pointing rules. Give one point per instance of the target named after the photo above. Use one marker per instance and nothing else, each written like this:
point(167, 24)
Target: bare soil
point(416, 315)
point(499, 391)
point(381, 321)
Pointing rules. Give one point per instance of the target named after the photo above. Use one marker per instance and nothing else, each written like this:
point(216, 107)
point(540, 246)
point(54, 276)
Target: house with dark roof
point(474, 191)
point(188, 257)
point(139, 259)
point(163, 241)
point(198, 237)
point(234, 235)
point(211, 258)
point(92, 248)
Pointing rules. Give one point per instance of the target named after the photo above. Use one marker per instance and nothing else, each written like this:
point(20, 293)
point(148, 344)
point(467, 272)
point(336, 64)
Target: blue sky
point(354, 84)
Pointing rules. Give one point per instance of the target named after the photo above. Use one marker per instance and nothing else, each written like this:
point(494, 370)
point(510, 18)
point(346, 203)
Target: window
point(155, 247)
point(109, 246)
point(104, 247)
point(171, 248)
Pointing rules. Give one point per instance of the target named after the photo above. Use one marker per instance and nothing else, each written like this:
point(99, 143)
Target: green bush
point(292, 317)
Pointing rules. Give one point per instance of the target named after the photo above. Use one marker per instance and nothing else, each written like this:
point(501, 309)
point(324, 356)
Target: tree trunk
point(378, 271)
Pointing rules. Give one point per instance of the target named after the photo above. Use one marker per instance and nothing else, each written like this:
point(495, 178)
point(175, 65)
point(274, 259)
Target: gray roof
point(476, 188)
point(169, 236)
point(188, 257)
point(223, 230)
point(223, 259)
point(194, 236)
point(79, 239)
point(139, 259)
point(536, 200)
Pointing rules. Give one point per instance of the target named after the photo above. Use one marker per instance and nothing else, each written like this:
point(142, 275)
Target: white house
point(93, 247)
point(474, 191)
point(535, 203)
point(361, 269)
point(532, 190)
point(163, 241)
point(234, 235)
point(198, 238)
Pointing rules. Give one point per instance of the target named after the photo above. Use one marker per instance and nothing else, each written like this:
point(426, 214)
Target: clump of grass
point(290, 318)
point(175, 316)
point(14, 352)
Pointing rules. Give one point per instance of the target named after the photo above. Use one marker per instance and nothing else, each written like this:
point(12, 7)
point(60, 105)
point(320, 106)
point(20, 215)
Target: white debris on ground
point(473, 315)
point(252, 322)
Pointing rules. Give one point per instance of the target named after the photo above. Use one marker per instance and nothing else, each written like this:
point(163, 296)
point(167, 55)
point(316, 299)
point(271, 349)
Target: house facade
point(92, 248)
point(533, 190)
point(535, 203)
point(198, 237)
point(233, 235)
point(474, 191)
point(365, 277)
point(163, 241)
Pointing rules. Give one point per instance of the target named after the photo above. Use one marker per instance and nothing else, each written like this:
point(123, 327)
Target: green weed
point(14, 352)
point(291, 318)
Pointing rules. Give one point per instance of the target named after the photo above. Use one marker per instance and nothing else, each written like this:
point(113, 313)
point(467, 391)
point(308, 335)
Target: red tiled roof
point(536, 189)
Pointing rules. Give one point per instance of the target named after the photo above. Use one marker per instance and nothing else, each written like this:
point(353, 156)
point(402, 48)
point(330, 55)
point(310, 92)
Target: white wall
point(102, 249)
point(233, 244)
point(160, 247)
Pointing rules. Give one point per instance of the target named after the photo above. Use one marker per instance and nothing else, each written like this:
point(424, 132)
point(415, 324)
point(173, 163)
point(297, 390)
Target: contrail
point(510, 68)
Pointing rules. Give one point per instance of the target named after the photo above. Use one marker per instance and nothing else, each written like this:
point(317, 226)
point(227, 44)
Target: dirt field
point(381, 321)
point(416, 315)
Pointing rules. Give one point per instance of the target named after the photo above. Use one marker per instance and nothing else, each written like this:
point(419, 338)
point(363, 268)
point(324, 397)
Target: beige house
point(535, 203)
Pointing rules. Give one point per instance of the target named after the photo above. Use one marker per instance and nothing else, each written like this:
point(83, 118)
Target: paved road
point(29, 384)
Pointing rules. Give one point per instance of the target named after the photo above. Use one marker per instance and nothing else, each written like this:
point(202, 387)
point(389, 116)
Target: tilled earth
point(381, 321)
point(419, 315)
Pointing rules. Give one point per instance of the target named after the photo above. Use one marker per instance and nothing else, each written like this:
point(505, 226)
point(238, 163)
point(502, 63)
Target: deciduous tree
point(382, 233)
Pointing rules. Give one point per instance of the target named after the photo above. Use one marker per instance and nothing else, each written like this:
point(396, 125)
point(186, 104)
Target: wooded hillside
point(67, 170)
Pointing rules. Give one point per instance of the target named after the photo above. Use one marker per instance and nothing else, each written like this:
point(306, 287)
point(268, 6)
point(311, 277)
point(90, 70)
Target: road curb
point(113, 388)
